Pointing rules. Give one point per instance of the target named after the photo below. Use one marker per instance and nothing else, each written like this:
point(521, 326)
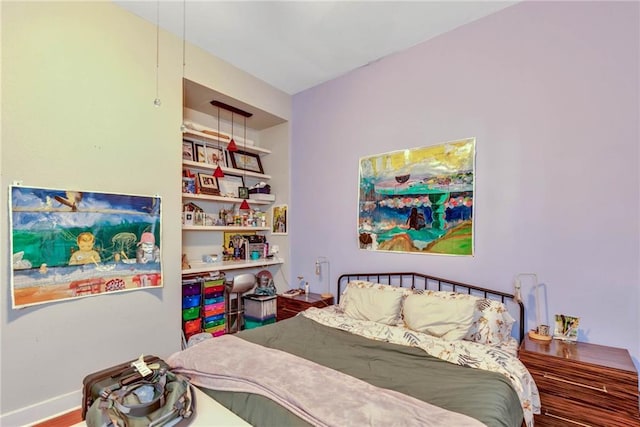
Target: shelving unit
point(204, 267)
point(198, 239)
point(194, 135)
point(221, 199)
point(222, 228)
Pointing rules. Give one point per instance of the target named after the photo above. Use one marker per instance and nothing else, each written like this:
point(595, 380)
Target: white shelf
point(204, 267)
point(221, 228)
point(191, 196)
point(194, 135)
point(189, 164)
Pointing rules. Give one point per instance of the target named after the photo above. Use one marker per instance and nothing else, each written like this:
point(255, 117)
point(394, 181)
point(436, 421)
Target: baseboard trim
point(42, 411)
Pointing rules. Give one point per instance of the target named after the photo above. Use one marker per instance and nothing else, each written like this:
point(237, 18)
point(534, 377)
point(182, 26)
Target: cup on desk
point(543, 330)
point(255, 255)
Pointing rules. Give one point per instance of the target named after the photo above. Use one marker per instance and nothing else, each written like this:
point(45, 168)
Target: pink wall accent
point(550, 91)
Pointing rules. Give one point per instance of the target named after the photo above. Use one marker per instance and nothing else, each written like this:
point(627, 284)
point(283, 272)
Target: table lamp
point(541, 332)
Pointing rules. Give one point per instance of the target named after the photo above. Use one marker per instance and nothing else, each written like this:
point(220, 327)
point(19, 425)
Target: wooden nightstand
point(582, 384)
point(290, 306)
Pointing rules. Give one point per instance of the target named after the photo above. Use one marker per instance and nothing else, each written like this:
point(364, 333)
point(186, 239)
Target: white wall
point(78, 84)
point(550, 90)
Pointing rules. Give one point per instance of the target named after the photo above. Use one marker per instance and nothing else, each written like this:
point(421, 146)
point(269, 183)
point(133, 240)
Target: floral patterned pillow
point(491, 324)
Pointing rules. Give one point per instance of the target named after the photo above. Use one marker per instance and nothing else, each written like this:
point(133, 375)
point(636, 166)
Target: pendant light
point(157, 102)
point(218, 173)
point(232, 144)
point(244, 205)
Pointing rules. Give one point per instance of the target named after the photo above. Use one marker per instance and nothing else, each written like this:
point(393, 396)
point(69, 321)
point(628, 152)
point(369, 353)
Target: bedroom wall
point(78, 84)
point(550, 91)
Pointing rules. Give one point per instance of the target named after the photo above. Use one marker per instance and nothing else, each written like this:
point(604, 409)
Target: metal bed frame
point(425, 282)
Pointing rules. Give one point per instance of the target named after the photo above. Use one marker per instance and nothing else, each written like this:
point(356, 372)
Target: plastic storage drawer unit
point(260, 307)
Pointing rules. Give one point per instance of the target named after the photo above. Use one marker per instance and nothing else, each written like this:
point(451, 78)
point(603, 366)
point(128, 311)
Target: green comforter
point(485, 396)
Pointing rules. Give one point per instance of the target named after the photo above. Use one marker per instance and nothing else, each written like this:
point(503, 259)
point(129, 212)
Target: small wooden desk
point(290, 306)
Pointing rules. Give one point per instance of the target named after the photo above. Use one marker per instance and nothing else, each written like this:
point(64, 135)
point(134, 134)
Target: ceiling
point(295, 45)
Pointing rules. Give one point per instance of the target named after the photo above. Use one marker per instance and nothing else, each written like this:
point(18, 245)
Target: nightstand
point(290, 306)
point(582, 384)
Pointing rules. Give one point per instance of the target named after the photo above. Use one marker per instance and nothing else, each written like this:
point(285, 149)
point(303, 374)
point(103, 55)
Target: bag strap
point(184, 407)
point(142, 409)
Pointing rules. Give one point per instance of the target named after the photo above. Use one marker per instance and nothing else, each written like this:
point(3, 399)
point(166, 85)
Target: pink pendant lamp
point(245, 205)
point(232, 144)
point(218, 173)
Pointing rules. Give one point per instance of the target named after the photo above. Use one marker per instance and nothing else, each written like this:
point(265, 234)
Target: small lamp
point(244, 206)
point(541, 332)
point(218, 173)
point(319, 261)
point(232, 144)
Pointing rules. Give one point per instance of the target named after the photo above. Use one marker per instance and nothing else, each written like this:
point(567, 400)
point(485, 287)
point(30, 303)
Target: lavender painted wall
point(550, 90)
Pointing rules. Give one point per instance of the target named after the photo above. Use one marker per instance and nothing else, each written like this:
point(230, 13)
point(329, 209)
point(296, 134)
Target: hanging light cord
point(183, 127)
point(184, 35)
point(157, 101)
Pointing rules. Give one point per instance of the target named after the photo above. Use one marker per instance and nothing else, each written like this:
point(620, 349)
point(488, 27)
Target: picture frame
point(198, 218)
point(188, 217)
point(187, 150)
point(208, 184)
point(188, 185)
point(211, 155)
point(229, 185)
point(243, 192)
point(566, 327)
point(279, 220)
point(244, 160)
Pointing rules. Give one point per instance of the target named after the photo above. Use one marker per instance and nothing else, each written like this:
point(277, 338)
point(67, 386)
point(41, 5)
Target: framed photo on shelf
point(208, 184)
point(279, 219)
point(229, 185)
point(188, 185)
point(187, 218)
point(244, 160)
point(243, 192)
point(187, 150)
point(211, 155)
point(198, 218)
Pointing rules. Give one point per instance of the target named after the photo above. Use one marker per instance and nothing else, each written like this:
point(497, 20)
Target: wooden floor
point(64, 420)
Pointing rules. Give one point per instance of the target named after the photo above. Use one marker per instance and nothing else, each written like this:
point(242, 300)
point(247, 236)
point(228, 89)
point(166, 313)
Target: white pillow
point(373, 304)
point(370, 285)
point(449, 319)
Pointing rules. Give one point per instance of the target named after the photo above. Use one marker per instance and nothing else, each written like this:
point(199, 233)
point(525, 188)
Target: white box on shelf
point(263, 196)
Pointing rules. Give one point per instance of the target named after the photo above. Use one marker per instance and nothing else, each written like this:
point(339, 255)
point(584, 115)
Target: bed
point(396, 349)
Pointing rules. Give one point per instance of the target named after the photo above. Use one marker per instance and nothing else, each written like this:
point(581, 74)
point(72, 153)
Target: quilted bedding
point(393, 359)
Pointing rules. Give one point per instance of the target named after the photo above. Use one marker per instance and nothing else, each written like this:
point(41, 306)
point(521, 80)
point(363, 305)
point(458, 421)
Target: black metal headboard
point(424, 281)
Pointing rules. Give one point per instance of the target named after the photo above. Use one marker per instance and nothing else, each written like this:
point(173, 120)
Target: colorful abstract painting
point(71, 244)
point(418, 200)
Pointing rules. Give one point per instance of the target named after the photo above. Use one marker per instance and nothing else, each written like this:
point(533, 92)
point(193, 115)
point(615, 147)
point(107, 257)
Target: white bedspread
point(460, 352)
point(232, 364)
